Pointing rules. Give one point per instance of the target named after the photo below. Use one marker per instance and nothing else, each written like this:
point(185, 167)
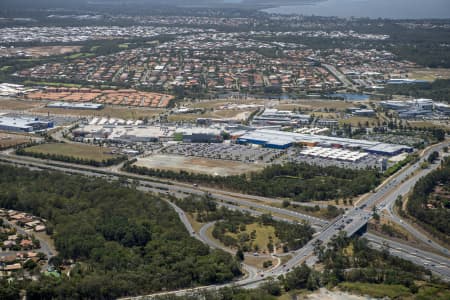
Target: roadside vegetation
point(429, 202)
point(438, 90)
point(347, 264)
point(301, 182)
point(244, 232)
point(112, 240)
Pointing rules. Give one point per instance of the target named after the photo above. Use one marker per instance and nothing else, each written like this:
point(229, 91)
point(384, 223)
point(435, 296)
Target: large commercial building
point(283, 140)
point(22, 124)
point(442, 108)
point(200, 135)
point(125, 133)
point(411, 108)
point(280, 117)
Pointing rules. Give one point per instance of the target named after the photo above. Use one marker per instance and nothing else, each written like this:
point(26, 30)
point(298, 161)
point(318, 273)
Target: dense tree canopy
point(124, 242)
point(302, 182)
point(435, 217)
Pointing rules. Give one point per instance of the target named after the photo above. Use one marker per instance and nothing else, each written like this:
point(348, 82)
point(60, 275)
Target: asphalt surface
point(44, 246)
point(163, 187)
point(388, 205)
point(353, 220)
point(439, 265)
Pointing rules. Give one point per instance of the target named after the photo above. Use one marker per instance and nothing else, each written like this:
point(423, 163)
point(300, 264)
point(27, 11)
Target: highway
point(341, 77)
point(437, 264)
point(153, 185)
point(387, 204)
point(353, 220)
point(356, 218)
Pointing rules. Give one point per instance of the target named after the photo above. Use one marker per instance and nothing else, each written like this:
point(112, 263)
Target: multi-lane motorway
point(353, 220)
point(436, 263)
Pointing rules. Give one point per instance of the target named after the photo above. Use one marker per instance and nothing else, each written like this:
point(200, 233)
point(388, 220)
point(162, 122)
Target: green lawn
point(435, 292)
point(5, 68)
point(376, 290)
point(262, 235)
point(80, 55)
point(85, 152)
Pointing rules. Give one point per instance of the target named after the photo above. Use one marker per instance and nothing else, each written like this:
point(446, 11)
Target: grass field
point(13, 104)
point(79, 55)
point(354, 121)
point(5, 68)
point(376, 290)
point(195, 225)
point(429, 124)
point(108, 111)
point(429, 74)
point(316, 104)
point(85, 152)
point(262, 235)
point(435, 292)
point(10, 140)
point(257, 261)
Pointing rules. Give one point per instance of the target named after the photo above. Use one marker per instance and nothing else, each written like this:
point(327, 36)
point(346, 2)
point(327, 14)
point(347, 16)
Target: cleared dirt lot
point(197, 165)
point(41, 51)
point(12, 104)
point(10, 140)
point(429, 74)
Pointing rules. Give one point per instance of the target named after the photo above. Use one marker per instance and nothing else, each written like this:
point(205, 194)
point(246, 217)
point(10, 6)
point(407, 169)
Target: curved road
point(352, 221)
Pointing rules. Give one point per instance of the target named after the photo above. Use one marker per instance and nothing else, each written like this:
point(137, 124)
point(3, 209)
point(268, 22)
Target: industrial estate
point(222, 153)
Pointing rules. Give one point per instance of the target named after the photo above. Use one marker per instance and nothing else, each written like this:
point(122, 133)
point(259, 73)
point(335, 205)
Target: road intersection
point(351, 222)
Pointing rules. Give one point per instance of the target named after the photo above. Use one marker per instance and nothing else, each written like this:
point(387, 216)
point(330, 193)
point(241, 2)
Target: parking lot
point(233, 152)
point(402, 139)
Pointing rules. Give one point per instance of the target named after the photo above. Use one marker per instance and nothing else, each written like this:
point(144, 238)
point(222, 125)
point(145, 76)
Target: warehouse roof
point(277, 137)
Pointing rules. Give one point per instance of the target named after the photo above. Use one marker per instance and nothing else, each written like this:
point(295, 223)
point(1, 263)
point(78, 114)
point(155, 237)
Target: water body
point(389, 9)
point(350, 97)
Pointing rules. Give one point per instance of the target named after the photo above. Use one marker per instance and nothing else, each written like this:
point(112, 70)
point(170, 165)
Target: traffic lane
point(438, 265)
point(409, 249)
point(181, 188)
